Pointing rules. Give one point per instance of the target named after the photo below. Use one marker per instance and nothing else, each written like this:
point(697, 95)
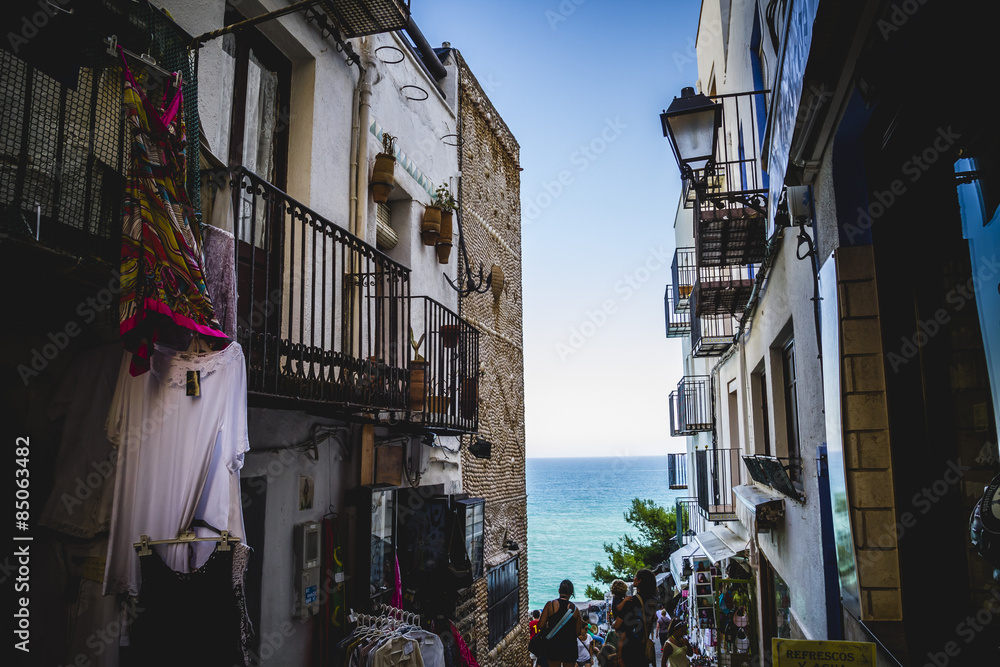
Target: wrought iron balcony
point(711, 335)
point(678, 321)
point(717, 471)
point(685, 273)
point(730, 199)
point(688, 520)
point(721, 289)
point(444, 389)
point(322, 316)
point(677, 472)
point(690, 406)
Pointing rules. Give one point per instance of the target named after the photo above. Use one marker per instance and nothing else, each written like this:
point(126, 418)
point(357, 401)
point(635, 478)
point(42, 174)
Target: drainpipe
point(431, 60)
point(352, 179)
point(359, 221)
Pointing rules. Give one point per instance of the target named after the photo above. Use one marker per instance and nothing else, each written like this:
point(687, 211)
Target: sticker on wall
point(306, 486)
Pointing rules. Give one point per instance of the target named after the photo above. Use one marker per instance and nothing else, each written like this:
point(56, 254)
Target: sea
point(575, 506)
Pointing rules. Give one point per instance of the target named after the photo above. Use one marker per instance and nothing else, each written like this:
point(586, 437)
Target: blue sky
point(581, 84)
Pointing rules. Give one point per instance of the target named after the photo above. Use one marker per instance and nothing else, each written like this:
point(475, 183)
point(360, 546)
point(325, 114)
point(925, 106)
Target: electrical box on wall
point(306, 542)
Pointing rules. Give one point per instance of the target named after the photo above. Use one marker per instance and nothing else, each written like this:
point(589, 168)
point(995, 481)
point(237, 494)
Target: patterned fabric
point(162, 256)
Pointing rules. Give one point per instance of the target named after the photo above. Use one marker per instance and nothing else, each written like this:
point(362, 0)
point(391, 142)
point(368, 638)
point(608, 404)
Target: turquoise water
point(575, 506)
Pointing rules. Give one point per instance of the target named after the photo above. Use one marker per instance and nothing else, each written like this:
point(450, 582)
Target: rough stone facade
point(489, 199)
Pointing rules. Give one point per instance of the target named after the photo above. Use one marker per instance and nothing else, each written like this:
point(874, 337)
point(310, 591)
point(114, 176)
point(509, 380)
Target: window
point(792, 414)
point(502, 597)
point(471, 518)
point(782, 605)
point(762, 423)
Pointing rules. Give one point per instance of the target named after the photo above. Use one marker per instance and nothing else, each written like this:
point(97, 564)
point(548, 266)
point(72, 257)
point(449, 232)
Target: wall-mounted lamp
point(481, 448)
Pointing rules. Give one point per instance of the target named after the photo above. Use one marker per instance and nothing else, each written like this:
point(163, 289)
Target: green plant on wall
point(444, 198)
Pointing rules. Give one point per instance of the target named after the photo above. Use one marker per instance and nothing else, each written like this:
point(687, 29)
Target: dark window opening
point(502, 600)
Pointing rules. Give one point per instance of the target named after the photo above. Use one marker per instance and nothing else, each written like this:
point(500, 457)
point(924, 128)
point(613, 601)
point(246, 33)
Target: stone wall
point(489, 198)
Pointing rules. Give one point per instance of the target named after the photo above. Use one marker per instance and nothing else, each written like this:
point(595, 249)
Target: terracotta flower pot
point(418, 371)
point(443, 243)
point(430, 228)
point(382, 181)
point(449, 335)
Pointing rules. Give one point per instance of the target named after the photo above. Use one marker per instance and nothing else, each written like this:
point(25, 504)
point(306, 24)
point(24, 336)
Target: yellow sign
point(805, 653)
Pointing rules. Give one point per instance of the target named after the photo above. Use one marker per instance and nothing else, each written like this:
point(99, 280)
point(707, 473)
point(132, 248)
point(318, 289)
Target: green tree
point(656, 526)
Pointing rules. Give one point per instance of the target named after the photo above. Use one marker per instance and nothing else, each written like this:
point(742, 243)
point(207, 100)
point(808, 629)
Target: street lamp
point(691, 124)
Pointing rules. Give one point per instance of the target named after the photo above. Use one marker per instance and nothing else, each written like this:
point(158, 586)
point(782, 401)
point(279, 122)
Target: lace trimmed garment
point(179, 458)
point(162, 281)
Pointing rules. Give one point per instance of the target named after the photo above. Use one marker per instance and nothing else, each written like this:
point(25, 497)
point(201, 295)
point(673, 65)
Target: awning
point(665, 578)
point(720, 542)
point(757, 508)
point(677, 558)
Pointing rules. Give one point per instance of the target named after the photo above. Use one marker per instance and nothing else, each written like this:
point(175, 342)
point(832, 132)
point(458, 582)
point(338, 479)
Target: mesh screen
point(368, 17)
point(62, 150)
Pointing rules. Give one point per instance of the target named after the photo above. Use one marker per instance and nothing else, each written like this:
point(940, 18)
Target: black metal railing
point(694, 404)
point(711, 335)
point(684, 269)
point(321, 315)
point(678, 322)
point(724, 290)
point(445, 385)
point(687, 520)
point(772, 472)
point(677, 472)
point(717, 471)
point(730, 217)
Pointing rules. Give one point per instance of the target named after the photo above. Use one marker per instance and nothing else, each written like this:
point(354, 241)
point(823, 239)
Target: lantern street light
point(691, 124)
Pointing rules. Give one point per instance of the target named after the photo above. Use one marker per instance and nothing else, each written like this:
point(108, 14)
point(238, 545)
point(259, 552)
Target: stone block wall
point(489, 198)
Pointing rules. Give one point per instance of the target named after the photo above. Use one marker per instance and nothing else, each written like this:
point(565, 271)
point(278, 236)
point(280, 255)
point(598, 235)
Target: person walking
point(676, 650)
point(561, 649)
point(663, 621)
point(634, 621)
point(584, 648)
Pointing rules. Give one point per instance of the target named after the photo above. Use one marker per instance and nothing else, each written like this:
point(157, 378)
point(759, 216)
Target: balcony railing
point(770, 471)
point(677, 472)
point(730, 222)
point(690, 406)
point(717, 471)
point(711, 335)
point(678, 321)
point(445, 386)
point(685, 273)
point(689, 521)
point(322, 316)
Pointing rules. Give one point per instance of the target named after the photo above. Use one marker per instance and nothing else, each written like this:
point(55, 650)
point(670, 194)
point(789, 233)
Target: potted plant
point(447, 203)
point(430, 227)
point(449, 335)
point(382, 181)
point(418, 374)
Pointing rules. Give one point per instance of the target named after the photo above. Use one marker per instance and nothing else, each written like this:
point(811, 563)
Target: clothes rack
point(224, 539)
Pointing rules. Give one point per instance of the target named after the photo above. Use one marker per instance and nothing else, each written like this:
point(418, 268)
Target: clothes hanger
point(146, 59)
point(224, 539)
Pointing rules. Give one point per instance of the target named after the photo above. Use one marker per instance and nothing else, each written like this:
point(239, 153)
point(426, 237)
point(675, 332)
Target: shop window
point(502, 600)
point(375, 544)
point(782, 608)
point(471, 519)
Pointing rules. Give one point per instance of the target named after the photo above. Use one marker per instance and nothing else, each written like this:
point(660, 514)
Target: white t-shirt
point(179, 458)
point(583, 649)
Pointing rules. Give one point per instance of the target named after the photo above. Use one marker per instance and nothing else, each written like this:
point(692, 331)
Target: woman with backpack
point(560, 625)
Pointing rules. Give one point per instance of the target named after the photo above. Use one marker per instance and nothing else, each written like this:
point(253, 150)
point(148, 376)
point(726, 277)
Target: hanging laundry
point(179, 458)
point(162, 259)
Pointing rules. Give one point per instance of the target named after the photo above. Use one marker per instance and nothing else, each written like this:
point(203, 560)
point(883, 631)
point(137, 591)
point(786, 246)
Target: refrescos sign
point(804, 653)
